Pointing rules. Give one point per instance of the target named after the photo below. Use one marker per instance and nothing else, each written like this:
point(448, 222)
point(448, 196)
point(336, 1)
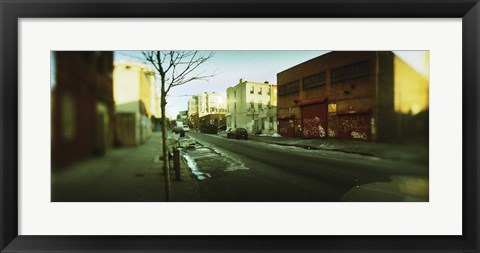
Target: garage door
point(354, 127)
point(286, 127)
point(314, 120)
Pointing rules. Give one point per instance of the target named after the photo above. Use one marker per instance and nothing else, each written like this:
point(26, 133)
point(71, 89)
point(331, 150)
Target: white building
point(192, 106)
point(210, 103)
point(253, 106)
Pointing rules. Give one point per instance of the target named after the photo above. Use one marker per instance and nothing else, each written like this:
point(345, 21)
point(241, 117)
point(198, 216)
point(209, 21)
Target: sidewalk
point(123, 175)
point(405, 152)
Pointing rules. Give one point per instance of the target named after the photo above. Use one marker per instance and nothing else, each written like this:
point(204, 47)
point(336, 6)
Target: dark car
point(179, 130)
point(241, 133)
point(230, 133)
point(237, 133)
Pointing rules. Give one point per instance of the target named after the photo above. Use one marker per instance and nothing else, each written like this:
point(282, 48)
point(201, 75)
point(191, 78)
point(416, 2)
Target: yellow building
point(137, 103)
point(411, 87)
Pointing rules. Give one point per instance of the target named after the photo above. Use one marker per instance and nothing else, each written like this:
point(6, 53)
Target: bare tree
point(174, 68)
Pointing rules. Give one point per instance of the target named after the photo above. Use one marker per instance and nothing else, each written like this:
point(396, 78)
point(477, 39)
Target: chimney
point(266, 82)
point(241, 80)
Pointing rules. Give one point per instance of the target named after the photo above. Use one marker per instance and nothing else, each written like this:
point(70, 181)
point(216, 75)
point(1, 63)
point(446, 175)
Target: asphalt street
point(248, 170)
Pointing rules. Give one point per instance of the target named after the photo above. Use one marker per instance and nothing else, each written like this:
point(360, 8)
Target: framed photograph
point(239, 126)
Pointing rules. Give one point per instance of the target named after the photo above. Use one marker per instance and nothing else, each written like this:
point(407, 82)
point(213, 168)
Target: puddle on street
point(205, 162)
point(194, 168)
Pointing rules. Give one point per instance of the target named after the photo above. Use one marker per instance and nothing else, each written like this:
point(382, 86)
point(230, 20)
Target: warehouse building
point(360, 95)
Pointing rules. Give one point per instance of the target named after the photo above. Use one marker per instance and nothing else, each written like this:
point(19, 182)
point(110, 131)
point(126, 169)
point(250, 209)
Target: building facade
point(204, 104)
point(82, 106)
point(193, 105)
point(137, 103)
point(253, 106)
point(351, 96)
point(210, 102)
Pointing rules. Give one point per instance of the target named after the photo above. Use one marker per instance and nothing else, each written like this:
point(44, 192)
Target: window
point(315, 80)
point(252, 105)
point(252, 90)
point(260, 91)
point(268, 92)
point(288, 88)
point(351, 71)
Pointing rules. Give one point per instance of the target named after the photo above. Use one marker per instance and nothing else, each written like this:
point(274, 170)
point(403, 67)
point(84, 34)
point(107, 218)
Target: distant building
point(210, 103)
point(353, 96)
point(81, 105)
point(193, 105)
point(194, 121)
point(253, 106)
point(137, 103)
point(204, 104)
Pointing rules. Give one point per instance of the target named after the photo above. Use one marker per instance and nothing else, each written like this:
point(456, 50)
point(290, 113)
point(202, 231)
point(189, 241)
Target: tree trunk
point(163, 103)
point(166, 170)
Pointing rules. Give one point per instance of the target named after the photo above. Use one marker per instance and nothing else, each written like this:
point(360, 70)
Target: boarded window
point(351, 71)
point(315, 81)
point(288, 88)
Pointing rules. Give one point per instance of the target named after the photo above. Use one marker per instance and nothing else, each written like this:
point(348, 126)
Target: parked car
point(186, 128)
point(230, 133)
point(237, 133)
point(241, 133)
point(179, 130)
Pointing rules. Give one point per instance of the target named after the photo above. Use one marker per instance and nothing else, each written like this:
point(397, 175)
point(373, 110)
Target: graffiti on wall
point(357, 135)
point(331, 132)
point(332, 126)
point(313, 128)
point(356, 127)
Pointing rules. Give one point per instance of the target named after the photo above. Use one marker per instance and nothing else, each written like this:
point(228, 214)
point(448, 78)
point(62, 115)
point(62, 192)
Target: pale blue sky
point(257, 66)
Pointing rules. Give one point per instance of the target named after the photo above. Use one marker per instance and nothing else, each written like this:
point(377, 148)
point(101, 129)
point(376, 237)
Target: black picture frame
point(11, 11)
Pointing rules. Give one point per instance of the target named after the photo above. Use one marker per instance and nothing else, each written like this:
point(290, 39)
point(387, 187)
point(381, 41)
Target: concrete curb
point(346, 150)
point(313, 147)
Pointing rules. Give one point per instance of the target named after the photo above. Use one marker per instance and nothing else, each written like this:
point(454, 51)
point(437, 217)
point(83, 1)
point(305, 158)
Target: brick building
point(362, 95)
point(81, 105)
